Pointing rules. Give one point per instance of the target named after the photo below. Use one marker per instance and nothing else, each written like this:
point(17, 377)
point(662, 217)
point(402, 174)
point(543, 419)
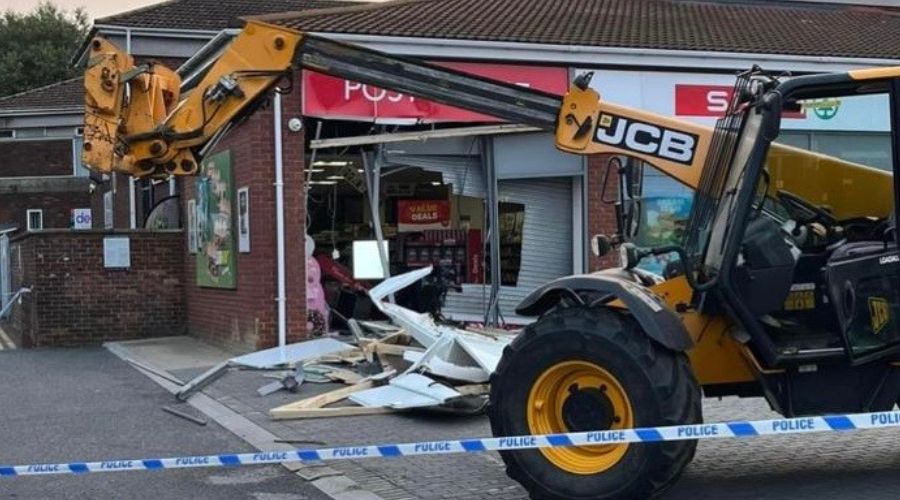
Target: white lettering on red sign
point(717, 100)
point(371, 94)
point(709, 100)
point(330, 97)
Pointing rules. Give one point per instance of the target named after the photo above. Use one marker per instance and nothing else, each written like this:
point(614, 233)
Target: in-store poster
point(216, 260)
point(419, 215)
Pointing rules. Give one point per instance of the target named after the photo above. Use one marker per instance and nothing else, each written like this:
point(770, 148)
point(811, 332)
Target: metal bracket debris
point(198, 383)
point(290, 383)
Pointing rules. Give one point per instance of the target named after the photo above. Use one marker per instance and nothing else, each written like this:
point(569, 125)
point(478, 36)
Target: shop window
point(78, 169)
point(35, 219)
point(870, 149)
point(511, 224)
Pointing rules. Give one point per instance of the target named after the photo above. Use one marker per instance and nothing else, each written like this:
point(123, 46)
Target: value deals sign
point(419, 215)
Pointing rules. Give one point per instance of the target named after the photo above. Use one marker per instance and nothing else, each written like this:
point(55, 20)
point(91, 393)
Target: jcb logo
point(646, 138)
point(879, 312)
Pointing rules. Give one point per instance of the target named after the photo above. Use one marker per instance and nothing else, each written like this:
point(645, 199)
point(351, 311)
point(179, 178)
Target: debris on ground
point(407, 362)
point(291, 353)
point(201, 381)
point(290, 356)
point(187, 415)
point(419, 364)
point(290, 382)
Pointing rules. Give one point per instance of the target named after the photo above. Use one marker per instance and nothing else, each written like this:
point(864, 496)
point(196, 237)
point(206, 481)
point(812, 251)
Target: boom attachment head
point(137, 121)
point(121, 101)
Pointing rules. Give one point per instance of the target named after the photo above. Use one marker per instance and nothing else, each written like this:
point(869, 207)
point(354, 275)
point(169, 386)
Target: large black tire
point(659, 383)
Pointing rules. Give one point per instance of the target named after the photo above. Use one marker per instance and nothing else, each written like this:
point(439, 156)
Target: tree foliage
point(36, 48)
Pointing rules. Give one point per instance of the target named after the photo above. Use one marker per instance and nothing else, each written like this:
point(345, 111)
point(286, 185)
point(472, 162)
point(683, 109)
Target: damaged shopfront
point(494, 207)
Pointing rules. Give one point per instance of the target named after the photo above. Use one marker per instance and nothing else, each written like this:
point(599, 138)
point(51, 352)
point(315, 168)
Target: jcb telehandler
point(785, 287)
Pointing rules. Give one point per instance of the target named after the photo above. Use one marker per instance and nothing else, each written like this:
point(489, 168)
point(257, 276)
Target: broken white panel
point(469, 356)
point(416, 324)
point(292, 353)
point(441, 368)
point(406, 391)
point(486, 351)
point(420, 326)
point(444, 356)
point(397, 283)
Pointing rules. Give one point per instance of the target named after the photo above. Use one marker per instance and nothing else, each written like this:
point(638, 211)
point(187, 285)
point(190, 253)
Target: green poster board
point(216, 259)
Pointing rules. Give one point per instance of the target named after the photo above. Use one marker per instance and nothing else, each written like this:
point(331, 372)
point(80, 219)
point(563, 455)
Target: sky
point(95, 8)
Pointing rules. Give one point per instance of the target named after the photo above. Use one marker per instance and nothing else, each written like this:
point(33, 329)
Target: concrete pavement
point(85, 404)
point(815, 467)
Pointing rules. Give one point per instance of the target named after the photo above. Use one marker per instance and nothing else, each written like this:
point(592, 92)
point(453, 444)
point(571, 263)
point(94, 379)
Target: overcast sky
point(95, 8)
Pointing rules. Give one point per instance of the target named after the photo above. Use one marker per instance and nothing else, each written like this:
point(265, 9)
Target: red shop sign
point(418, 215)
point(708, 100)
point(329, 97)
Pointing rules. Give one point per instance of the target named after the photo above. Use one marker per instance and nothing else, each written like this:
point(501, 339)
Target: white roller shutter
point(546, 246)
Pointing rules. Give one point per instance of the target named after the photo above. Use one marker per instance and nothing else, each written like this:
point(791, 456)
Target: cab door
point(864, 277)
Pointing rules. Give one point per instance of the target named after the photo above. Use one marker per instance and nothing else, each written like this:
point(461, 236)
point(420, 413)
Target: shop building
point(434, 193)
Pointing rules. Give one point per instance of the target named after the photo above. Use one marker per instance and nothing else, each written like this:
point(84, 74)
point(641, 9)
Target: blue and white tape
point(740, 429)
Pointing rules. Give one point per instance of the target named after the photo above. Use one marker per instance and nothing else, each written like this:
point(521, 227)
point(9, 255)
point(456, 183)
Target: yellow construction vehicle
point(786, 285)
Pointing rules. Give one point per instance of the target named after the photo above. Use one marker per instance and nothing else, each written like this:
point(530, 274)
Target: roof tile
point(755, 26)
point(212, 15)
point(64, 94)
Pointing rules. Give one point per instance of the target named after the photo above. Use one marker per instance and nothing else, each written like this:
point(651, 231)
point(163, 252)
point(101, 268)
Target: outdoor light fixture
point(335, 177)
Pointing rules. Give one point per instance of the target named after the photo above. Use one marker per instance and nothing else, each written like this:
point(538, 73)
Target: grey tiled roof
point(756, 26)
point(211, 15)
point(64, 94)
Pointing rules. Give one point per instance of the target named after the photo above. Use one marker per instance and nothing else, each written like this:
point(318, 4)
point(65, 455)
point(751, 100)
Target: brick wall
point(246, 317)
point(601, 216)
point(56, 207)
point(36, 158)
point(75, 300)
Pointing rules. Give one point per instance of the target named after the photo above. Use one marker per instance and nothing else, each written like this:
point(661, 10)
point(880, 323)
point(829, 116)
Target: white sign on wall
point(702, 98)
point(117, 252)
point(81, 218)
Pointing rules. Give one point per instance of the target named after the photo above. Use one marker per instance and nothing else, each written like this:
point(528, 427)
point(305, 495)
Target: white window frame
point(28, 214)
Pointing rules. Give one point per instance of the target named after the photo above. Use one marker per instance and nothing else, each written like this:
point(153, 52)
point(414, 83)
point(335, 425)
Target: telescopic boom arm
point(141, 122)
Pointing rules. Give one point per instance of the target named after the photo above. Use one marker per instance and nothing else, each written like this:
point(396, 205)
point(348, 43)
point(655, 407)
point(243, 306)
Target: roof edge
point(62, 110)
point(582, 55)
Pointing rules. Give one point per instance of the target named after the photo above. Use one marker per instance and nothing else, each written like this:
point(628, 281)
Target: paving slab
point(821, 466)
point(67, 405)
point(177, 353)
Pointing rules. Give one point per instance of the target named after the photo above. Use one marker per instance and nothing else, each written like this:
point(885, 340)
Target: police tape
point(738, 429)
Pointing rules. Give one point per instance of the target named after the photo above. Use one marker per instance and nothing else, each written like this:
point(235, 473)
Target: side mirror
point(601, 245)
point(631, 255)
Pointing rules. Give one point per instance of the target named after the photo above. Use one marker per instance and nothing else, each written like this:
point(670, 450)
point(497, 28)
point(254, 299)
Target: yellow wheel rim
point(578, 396)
